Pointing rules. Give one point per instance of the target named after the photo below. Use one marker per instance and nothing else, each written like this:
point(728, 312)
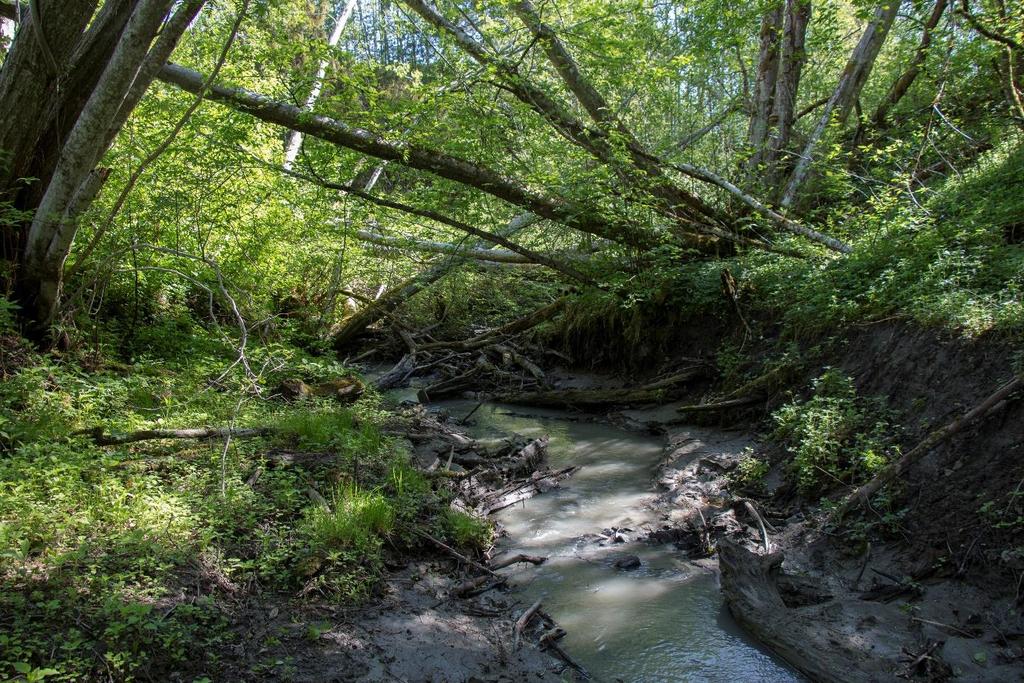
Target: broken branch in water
point(515, 559)
point(523, 621)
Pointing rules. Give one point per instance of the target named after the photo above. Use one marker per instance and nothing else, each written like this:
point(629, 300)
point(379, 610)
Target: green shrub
point(750, 471)
point(836, 437)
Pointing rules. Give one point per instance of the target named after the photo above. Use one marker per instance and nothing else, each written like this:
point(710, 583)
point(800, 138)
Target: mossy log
point(344, 389)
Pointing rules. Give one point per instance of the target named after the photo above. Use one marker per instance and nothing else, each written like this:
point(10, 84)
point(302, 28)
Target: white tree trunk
point(294, 140)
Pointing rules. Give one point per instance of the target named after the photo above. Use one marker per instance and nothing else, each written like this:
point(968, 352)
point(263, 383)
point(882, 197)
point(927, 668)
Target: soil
point(415, 632)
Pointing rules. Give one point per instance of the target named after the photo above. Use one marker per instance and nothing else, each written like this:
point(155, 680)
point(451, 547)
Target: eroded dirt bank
point(440, 614)
point(928, 588)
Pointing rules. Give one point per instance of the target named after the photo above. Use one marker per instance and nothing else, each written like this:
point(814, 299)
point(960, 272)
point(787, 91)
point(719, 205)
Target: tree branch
point(413, 156)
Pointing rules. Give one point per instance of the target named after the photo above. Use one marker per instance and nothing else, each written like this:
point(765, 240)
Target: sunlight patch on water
point(664, 621)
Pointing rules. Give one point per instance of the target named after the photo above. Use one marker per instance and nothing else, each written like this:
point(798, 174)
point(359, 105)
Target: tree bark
point(851, 82)
point(161, 51)
point(28, 86)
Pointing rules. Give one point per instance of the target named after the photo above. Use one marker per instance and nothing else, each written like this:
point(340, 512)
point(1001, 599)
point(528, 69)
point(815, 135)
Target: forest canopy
point(319, 152)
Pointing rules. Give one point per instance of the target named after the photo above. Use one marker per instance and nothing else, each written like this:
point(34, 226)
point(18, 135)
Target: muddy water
point(664, 621)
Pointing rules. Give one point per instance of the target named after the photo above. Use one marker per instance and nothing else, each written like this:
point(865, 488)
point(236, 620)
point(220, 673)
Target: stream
point(664, 621)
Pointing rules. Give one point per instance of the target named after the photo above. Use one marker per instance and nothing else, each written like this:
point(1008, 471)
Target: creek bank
point(929, 591)
point(439, 615)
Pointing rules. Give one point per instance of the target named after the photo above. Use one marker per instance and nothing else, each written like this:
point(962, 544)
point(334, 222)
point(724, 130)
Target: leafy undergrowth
point(954, 259)
point(118, 562)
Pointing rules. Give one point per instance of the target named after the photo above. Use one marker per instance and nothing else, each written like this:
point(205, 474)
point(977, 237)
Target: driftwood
point(752, 511)
point(549, 643)
point(453, 385)
point(846, 641)
point(551, 635)
point(477, 585)
point(317, 498)
point(397, 375)
point(519, 491)
point(522, 622)
point(457, 555)
point(102, 439)
point(652, 393)
point(516, 559)
point(527, 459)
point(935, 438)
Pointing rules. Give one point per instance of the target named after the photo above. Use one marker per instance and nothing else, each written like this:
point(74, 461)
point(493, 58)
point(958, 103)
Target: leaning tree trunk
point(391, 300)
point(851, 82)
point(902, 84)
point(52, 231)
point(568, 212)
point(55, 135)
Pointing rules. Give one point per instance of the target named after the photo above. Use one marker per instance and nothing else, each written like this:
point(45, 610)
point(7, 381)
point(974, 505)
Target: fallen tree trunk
point(662, 187)
point(844, 641)
point(430, 246)
point(935, 438)
point(720, 405)
point(483, 339)
point(562, 398)
point(433, 161)
point(453, 385)
point(385, 305)
point(517, 492)
point(100, 438)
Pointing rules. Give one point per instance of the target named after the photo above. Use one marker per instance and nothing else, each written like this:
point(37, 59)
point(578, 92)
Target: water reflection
point(664, 621)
